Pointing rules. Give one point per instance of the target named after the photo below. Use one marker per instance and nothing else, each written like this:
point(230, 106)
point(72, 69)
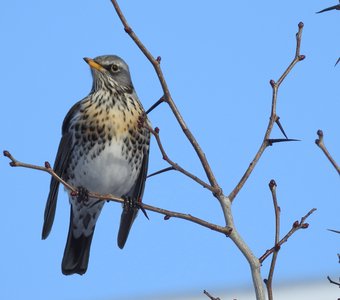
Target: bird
point(104, 149)
point(336, 7)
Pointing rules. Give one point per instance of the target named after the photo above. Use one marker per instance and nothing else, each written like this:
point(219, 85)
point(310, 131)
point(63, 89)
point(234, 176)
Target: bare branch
point(296, 226)
point(320, 143)
point(334, 282)
point(210, 297)
point(176, 166)
point(47, 168)
point(167, 213)
point(273, 117)
point(168, 98)
point(269, 281)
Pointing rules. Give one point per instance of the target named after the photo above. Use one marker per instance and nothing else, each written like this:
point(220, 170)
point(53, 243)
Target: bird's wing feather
point(60, 164)
point(130, 211)
point(59, 167)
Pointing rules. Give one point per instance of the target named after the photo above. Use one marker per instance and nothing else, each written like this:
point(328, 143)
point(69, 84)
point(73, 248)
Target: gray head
point(109, 71)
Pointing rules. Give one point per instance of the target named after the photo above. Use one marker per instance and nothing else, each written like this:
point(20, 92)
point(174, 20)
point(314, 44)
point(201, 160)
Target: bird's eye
point(114, 68)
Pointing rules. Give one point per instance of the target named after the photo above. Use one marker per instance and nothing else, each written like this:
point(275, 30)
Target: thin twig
point(320, 143)
point(168, 98)
point(273, 117)
point(296, 226)
point(155, 133)
point(167, 213)
point(211, 297)
point(334, 282)
point(269, 281)
point(47, 168)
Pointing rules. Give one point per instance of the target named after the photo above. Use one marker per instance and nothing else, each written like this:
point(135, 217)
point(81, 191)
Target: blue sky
point(218, 60)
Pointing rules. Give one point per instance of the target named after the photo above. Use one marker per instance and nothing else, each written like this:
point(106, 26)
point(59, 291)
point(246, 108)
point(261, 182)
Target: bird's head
point(109, 72)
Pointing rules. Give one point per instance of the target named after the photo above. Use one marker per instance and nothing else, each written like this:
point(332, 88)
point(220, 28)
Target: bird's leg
point(83, 195)
point(130, 204)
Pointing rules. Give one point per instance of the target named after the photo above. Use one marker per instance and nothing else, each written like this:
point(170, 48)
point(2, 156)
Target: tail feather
point(128, 216)
point(77, 253)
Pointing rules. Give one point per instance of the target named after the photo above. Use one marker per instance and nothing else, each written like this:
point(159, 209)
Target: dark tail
point(126, 220)
point(77, 253)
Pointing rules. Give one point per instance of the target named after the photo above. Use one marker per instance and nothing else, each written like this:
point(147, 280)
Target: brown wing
point(130, 208)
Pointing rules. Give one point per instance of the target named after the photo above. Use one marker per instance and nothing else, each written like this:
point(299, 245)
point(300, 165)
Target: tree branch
point(320, 143)
point(177, 167)
point(210, 296)
point(273, 117)
point(269, 280)
point(168, 98)
point(167, 213)
point(295, 227)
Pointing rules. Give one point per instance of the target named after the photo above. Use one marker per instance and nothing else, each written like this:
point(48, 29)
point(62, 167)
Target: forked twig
point(333, 282)
point(295, 227)
point(320, 143)
point(168, 98)
point(273, 117)
point(175, 166)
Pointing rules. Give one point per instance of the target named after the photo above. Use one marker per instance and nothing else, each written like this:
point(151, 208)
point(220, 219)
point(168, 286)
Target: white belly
point(107, 173)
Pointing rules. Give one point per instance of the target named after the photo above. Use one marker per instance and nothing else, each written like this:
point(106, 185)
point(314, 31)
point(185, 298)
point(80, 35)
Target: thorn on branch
point(161, 171)
point(158, 102)
point(278, 123)
point(336, 231)
point(273, 141)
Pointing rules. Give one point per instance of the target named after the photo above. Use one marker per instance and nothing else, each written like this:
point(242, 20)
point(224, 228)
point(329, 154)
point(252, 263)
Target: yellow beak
point(93, 64)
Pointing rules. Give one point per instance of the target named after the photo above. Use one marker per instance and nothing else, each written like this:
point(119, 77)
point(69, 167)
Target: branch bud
point(128, 29)
point(319, 133)
point(296, 224)
point(305, 225)
point(272, 184)
point(302, 57)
